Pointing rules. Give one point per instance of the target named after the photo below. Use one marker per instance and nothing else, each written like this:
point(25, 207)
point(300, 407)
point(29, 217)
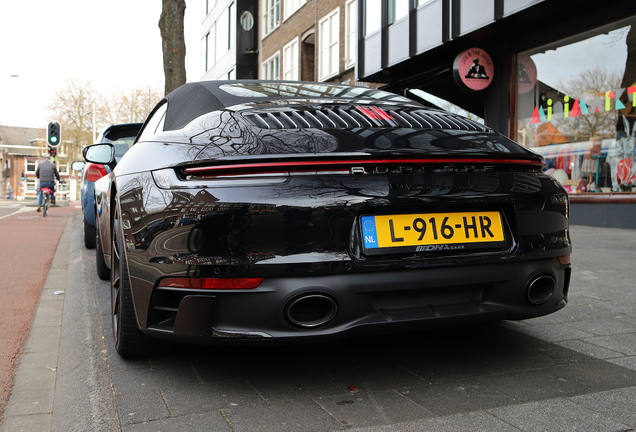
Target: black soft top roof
point(192, 100)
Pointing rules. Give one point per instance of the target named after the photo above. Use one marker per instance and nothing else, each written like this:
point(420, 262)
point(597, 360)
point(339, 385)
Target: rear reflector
point(211, 283)
point(565, 259)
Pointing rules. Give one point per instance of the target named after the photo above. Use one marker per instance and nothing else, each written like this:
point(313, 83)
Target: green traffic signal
point(54, 133)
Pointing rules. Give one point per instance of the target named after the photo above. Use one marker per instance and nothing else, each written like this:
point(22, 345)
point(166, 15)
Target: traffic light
point(54, 133)
point(22, 178)
point(52, 151)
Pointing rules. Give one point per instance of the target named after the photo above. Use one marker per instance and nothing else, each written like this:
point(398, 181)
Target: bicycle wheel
point(45, 204)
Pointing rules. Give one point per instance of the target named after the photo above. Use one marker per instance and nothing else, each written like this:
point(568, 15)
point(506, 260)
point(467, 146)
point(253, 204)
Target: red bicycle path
point(28, 243)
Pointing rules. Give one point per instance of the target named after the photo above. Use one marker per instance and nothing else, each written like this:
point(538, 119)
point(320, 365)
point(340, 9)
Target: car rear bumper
point(286, 308)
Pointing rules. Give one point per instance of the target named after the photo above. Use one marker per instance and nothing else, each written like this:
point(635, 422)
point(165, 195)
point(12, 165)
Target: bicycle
point(46, 200)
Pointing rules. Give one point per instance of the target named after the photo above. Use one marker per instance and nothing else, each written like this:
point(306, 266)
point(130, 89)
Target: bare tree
point(131, 106)
point(173, 43)
point(73, 108)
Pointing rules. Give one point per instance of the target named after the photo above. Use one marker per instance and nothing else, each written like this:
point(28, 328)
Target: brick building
point(21, 151)
point(307, 40)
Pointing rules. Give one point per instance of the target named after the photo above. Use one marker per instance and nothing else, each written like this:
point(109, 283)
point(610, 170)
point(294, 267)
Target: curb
point(65, 347)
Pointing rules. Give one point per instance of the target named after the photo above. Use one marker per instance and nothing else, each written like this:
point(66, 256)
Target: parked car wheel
point(89, 235)
point(102, 269)
point(129, 340)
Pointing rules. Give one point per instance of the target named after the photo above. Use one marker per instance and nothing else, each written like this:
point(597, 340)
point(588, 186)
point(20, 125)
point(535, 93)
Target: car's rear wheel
point(102, 269)
point(129, 340)
point(89, 235)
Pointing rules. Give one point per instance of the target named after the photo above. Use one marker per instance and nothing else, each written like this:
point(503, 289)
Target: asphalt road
point(574, 370)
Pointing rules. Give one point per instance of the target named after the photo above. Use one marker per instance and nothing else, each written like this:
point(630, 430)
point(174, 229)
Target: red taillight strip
point(266, 167)
point(211, 283)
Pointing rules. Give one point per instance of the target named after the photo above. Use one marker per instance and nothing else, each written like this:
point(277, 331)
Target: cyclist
point(47, 173)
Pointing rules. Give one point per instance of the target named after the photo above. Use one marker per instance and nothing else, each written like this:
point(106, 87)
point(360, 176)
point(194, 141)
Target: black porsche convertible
point(261, 211)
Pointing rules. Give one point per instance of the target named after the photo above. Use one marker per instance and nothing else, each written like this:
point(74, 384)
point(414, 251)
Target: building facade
point(308, 40)
point(558, 76)
point(22, 150)
point(229, 43)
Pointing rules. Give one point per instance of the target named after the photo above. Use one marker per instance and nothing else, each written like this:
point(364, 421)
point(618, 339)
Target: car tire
point(102, 269)
point(89, 235)
point(130, 342)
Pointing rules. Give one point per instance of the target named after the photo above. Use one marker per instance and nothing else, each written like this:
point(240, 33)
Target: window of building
point(419, 3)
point(576, 105)
point(210, 48)
point(292, 6)
point(328, 61)
point(290, 61)
point(272, 15)
point(231, 75)
point(398, 9)
point(372, 16)
point(222, 35)
point(30, 185)
point(231, 25)
point(208, 5)
point(63, 169)
point(30, 165)
point(351, 13)
point(271, 67)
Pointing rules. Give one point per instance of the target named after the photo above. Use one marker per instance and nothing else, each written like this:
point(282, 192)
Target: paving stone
point(626, 362)
point(141, 406)
point(206, 422)
point(554, 332)
point(619, 404)
point(533, 385)
point(473, 421)
point(387, 428)
point(280, 387)
point(30, 401)
point(590, 349)
point(210, 397)
point(302, 415)
point(365, 409)
point(603, 326)
point(455, 398)
point(623, 343)
point(27, 423)
point(372, 376)
point(556, 415)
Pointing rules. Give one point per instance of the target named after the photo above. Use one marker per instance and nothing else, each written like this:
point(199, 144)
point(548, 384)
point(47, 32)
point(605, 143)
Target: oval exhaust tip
point(310, 310)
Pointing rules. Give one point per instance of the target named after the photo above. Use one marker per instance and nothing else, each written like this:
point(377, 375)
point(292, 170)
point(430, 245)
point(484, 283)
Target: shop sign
point(473, 69)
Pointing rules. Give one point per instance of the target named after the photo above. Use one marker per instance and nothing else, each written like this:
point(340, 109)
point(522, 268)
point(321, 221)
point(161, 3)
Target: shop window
point(271, 67)
point(290, 61)
point(576, 105)
point(329, 34)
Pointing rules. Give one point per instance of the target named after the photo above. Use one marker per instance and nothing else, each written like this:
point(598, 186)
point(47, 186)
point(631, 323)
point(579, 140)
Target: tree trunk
point(173, 43)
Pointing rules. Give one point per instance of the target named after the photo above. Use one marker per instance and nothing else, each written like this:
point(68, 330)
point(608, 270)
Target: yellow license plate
point(421, 230)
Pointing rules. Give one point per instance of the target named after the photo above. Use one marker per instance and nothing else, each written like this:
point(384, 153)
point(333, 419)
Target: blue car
point(121, 137)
